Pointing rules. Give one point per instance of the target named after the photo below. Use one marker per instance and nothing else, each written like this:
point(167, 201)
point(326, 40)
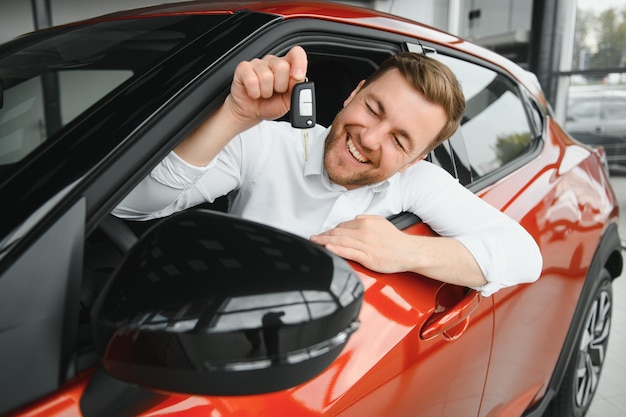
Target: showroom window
point(593, 100)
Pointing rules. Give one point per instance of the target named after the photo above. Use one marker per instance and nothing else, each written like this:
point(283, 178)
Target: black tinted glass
point(51, 78)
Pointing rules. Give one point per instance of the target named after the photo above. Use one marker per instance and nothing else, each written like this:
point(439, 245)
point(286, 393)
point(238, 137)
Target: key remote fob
point(303, 105)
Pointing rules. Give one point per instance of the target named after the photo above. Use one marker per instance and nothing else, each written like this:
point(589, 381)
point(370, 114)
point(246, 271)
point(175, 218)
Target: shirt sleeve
point(174, 185)
point(506, 253)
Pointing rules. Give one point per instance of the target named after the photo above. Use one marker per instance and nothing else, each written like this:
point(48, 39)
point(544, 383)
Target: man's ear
point(353, 93)
point(411, 163)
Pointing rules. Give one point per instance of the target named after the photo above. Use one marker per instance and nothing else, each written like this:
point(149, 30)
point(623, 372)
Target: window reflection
point(495, 125)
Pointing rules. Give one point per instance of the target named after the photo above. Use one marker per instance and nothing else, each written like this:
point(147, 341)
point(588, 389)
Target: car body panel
point(395, 308)
point(417, 335)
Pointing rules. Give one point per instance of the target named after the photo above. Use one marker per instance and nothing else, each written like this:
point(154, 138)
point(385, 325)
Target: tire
point(583, 372)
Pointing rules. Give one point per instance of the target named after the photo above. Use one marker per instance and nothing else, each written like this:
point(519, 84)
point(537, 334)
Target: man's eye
point(398, 142)
point(370, 109)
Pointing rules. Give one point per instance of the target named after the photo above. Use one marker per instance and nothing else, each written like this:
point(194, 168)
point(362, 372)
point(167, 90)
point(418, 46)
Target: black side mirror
point(206, 303)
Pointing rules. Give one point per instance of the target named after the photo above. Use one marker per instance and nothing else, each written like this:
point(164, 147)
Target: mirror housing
point(207, 303)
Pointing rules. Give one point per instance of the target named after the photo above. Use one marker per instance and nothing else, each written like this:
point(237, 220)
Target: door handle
point(446, 317)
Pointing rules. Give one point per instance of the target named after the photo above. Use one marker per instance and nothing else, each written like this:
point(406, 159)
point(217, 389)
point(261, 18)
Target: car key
point(303, 105)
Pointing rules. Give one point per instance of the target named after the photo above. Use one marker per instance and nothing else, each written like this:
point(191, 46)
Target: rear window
point(48, 82)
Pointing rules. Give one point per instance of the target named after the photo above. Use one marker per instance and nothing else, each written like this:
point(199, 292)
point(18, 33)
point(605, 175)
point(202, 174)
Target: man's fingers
point(261, 87)
point(267, 80)
point(342, 245)
point(262, 78)
point(348, 238)
point(298, 62)
point(246, 76)
point(280, 69)
point(347, 252)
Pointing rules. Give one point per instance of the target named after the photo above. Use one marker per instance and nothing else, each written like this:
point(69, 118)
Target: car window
point(614, 109)
point(74, 68)
point(23, 125)
point(495, 125)
point(584, 110)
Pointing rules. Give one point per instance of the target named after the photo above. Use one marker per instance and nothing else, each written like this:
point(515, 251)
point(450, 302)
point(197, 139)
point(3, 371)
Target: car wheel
point(583, 372)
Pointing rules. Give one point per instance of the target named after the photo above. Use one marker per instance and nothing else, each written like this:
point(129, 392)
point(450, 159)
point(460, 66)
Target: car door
point(584, 119)
point(613, 125)
point(500, 137)
point(518, 168)
point(614, 117)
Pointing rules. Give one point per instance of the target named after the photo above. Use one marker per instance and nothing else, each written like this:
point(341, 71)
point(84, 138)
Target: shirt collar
point(315, 164)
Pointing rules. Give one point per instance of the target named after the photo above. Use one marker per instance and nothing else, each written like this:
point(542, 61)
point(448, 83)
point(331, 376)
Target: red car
point(245, 320)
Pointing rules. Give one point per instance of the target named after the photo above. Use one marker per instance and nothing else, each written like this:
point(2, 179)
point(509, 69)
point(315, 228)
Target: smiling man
point(387, 129)
point(338, 187)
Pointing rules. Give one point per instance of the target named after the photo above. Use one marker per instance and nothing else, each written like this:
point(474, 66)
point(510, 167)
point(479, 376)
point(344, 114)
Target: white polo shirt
point(278, 187)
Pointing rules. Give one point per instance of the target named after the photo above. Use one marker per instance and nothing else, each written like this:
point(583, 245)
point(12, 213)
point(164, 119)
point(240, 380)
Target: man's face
point(383, 128)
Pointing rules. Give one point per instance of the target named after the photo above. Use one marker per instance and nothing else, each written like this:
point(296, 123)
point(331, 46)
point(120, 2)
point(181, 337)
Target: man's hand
point(370, 240)
point(261, 88)
point(377, 244)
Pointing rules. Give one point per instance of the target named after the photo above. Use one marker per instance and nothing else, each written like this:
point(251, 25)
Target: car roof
point(336, 12)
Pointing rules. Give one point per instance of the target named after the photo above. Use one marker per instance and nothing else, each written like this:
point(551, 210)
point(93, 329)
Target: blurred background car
point(597, 117)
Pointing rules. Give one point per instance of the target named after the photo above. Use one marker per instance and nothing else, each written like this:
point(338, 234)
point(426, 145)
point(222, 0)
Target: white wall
point(497, 17)
point(15, 19)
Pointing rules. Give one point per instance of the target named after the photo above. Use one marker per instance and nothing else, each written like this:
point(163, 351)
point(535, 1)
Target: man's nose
point(372, 135)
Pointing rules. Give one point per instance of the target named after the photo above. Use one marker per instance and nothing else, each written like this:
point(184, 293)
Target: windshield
point(48, 82)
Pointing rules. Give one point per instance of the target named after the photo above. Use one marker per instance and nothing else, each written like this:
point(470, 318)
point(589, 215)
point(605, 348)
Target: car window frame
point(535, 117)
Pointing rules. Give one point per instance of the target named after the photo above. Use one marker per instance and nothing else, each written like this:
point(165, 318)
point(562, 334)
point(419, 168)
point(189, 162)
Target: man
point(338, 186)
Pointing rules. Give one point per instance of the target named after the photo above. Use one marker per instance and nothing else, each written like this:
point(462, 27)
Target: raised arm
point(261, 90)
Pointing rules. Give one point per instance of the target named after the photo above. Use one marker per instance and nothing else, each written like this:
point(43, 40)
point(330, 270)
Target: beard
point(341, 173)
